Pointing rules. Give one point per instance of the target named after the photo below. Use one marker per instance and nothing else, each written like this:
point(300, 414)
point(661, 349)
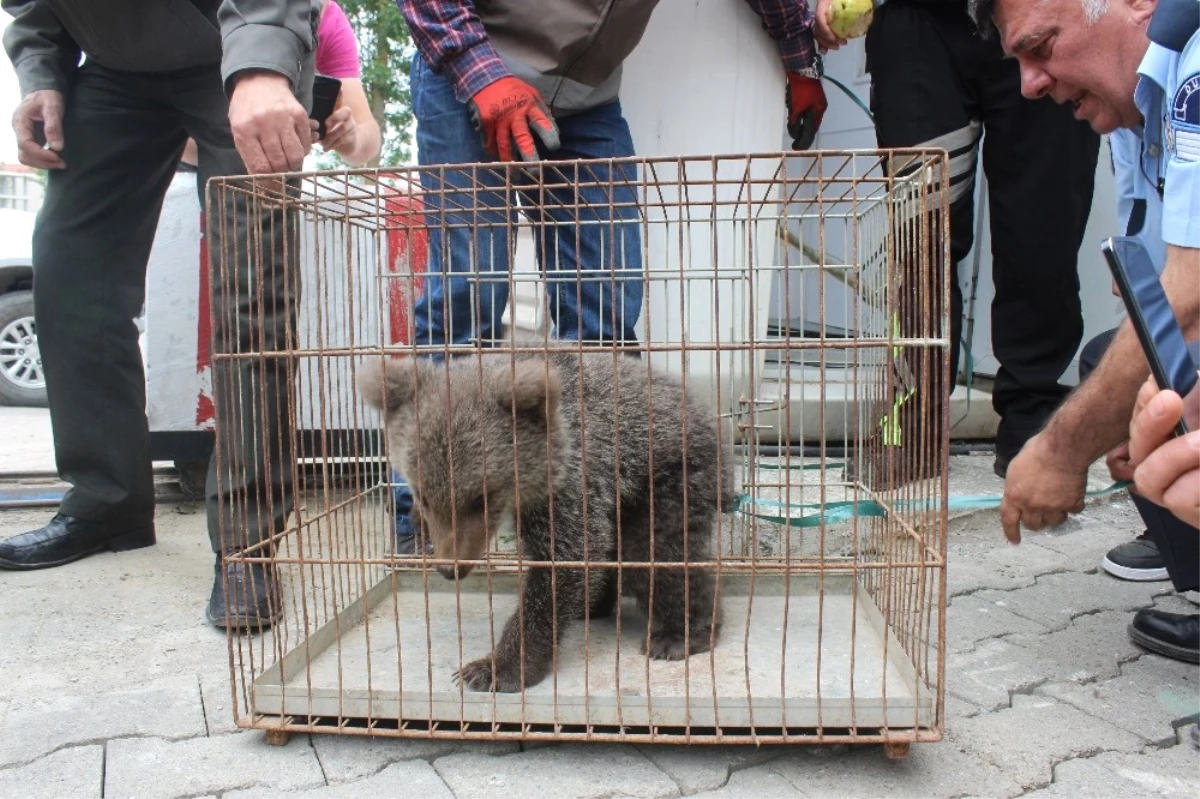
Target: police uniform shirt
point(1139, 208)
point(1168, 95)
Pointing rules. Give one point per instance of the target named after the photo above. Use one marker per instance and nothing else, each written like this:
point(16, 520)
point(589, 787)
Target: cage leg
point(895, 750)
point(278, 737)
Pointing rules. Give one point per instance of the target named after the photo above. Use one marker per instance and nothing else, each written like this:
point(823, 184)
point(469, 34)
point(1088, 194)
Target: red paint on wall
point(205, 413)
point(408, 257)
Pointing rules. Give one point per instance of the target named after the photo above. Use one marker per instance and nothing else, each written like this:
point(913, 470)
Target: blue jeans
point(586, 230)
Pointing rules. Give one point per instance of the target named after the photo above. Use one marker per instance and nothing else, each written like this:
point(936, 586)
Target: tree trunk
point(378, 101)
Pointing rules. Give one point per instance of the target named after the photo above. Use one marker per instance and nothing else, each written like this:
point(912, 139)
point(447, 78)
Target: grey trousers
point(124, 133)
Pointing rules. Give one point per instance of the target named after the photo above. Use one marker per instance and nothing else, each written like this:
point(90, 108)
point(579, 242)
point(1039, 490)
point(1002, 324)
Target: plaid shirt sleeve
point(452, 39)
point(789, 23)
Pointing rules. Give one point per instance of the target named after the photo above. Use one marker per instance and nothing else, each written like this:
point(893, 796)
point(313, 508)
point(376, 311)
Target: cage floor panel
point(382, 659)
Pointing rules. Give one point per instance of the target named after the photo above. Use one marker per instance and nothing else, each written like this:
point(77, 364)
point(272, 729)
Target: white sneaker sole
point(1136, 575)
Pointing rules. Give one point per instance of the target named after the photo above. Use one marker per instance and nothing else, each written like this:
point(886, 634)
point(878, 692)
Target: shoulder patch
point(1184, 119)
point(1185, 106)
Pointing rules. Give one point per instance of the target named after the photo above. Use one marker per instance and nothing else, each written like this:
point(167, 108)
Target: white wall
point(705, 79)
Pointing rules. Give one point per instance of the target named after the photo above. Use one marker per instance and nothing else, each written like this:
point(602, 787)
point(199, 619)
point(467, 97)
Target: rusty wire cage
point(800, 298)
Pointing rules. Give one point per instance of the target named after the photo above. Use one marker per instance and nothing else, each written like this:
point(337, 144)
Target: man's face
point(1090, 65)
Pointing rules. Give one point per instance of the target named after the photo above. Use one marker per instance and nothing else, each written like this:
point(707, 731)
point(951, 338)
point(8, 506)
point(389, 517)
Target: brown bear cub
point(548, 440)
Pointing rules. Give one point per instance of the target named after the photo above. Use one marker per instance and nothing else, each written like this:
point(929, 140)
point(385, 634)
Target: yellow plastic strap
point(892, 436)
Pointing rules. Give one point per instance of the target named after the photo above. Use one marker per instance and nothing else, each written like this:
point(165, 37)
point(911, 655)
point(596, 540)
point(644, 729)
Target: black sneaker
point(1137, 560)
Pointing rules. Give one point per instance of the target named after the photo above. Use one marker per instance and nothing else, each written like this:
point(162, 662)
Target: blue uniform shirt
point(1131, 187)
point(1168, 95)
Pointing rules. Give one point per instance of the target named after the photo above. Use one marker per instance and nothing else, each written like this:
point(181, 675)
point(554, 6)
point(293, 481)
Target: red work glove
point(504, 113)
point(806, 106)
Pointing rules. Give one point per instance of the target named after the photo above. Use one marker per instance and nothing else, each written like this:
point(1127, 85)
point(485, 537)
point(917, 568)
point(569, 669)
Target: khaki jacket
point(572, 51)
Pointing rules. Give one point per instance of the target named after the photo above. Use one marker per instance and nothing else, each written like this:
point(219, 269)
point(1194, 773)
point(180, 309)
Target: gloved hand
point(505, 111)
point(806, 106)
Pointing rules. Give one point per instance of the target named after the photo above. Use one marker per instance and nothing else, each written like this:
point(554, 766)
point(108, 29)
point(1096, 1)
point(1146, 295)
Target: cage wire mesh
point(799, 301)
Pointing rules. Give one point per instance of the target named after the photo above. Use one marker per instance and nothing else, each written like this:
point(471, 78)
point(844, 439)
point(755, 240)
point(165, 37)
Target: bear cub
point(572, 447)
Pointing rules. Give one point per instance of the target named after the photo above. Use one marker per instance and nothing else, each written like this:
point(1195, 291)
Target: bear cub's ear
point(532, 387)
point(387, 384)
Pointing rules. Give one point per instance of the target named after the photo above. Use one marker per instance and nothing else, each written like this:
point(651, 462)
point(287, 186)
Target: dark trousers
point(1177, 541)
point(124, 133)
point(936, 83)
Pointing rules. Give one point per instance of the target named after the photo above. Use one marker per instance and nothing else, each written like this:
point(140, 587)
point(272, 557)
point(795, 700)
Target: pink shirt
point(337, 50)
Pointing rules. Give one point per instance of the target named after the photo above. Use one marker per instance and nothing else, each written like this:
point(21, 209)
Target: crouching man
point(1120, 64)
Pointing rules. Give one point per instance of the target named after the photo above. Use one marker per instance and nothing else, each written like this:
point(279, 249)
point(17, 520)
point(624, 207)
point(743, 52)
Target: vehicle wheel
point(21, 379)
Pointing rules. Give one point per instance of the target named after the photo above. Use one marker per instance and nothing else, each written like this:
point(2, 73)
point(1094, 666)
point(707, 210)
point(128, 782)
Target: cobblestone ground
point(114, 686)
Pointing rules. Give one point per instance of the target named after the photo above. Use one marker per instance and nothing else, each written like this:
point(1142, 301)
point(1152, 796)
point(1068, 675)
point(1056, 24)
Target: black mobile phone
point(1151, 315)
point(325, 94)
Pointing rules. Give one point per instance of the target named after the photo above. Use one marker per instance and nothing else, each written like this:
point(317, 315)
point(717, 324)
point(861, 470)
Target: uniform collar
point(1153, 72)
point(1152, 79)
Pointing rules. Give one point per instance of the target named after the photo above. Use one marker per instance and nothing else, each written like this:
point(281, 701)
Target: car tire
point(27, 387)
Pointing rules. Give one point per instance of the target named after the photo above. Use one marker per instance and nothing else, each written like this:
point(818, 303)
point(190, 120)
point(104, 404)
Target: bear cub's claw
point(671, 646)
point(477, 676)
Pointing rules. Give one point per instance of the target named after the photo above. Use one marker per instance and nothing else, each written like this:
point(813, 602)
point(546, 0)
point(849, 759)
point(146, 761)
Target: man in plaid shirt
point(516, 80)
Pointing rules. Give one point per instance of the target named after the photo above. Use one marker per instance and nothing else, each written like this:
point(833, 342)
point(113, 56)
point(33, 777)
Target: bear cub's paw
point(478, 676)
point(672, 646)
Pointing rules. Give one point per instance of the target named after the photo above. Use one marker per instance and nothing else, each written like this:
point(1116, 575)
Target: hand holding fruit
point(837, 21)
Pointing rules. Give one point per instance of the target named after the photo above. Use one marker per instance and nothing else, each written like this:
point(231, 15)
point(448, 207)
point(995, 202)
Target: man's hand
point(1039, 490)
point(806, 106)
point(826, 38)
point(40, 149)
point(1118, 464)
point(1166, 469)
point(1155, 415)
point(504, 113)
point(340, 130)
point(270, 128)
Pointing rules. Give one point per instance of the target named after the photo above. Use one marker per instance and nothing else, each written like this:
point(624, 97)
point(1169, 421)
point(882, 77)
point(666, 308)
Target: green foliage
point(385, 50)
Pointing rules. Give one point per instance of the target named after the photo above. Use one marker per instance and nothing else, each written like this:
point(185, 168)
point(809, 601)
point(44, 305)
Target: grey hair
point(1094, 9)
point(981, 13)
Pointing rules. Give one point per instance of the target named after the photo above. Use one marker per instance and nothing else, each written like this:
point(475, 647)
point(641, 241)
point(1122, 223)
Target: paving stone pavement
point(113, 685)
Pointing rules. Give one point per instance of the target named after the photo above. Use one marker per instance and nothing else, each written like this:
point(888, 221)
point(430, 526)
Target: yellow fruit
point(849, 19)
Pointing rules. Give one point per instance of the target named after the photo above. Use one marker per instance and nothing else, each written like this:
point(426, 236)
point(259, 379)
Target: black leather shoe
point(253, 596)
point(1175, 635)
point(66, 539)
